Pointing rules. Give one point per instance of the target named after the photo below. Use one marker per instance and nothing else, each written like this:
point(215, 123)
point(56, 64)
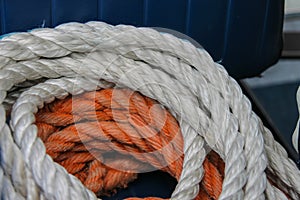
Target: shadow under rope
point(151, 184)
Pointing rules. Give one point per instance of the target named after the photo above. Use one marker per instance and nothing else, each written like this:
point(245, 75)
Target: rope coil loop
point(168, 97)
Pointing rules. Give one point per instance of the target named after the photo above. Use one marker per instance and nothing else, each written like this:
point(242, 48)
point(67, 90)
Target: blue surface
point(18, 15)
point(249, 36)
point(168, 13)
point(214, 27)
point(245, 36)
point(120, 12)
point(73, 10)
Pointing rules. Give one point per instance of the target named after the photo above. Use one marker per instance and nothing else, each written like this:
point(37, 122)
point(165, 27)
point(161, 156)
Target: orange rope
point(94, 133)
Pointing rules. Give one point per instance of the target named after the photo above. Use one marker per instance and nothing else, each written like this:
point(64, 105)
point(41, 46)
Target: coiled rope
point(45, 64)
point(83, 132)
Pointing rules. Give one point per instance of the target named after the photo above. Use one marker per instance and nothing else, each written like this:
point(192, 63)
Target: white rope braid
point(296, 132)
point(206, 101)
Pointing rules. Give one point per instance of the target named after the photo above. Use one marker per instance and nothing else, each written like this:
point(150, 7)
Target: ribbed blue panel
point(207, 19)
point(272, 38)
point(25, 15)
point(167, 13)
point(2, 22)
point(244, 36)
point(73, 10)
point(122, 12)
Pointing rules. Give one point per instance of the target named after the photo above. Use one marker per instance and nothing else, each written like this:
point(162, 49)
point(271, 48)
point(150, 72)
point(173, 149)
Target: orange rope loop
point(93, 134)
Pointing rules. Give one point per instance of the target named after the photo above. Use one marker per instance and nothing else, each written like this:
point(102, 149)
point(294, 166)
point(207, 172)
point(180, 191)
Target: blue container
point(244, 36)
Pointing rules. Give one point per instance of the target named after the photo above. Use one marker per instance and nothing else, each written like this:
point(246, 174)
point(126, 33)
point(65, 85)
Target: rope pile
point(74, 59)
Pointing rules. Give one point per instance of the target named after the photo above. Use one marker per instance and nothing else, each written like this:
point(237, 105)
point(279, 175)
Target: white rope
point(295, 138)
point(208, 104)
